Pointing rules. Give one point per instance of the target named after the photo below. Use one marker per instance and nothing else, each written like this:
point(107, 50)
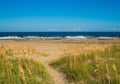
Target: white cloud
point(77, 29)
point(116, 29)
point(54, 29)
point(74, 29)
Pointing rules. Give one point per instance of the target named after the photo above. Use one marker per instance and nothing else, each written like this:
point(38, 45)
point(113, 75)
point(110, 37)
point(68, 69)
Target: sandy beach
point(54, 49)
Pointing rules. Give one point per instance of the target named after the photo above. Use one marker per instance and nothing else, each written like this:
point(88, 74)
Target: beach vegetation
point(99, 66)
point(17, 66)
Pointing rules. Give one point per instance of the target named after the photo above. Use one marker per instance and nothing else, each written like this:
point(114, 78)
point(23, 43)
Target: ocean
point(58, 35)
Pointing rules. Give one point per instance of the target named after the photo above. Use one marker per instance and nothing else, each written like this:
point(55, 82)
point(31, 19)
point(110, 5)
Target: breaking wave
point(57, 38)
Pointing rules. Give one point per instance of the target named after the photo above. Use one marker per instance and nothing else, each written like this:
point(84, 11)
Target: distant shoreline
point(58, 38)
point(65, 41)
point(59, 35)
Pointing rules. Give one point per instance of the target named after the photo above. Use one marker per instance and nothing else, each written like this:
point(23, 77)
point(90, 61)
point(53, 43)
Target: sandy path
point(54, 53)
point(58, 78)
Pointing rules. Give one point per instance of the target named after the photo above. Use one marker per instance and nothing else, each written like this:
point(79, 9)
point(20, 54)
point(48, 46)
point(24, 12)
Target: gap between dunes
point(54, 53)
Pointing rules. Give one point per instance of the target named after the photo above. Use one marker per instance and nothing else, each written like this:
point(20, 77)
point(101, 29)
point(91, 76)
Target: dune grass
point(21, 69)
point(97, 67)
point(44, 54)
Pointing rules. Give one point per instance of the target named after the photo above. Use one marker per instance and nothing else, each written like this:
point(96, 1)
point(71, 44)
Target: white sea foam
point(107, 38)
point(76, 37)
point(42, 38)
point(10, 37)
point(57, 38)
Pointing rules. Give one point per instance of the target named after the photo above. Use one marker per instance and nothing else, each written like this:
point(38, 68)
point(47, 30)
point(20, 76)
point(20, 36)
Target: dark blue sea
point(59, 35)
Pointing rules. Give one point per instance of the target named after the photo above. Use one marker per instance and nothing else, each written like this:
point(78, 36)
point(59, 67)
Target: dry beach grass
point(60, 62)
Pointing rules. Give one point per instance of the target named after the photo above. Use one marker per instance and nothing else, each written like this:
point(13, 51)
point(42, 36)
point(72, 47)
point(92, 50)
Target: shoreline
point(59, 38)
point(115, 41)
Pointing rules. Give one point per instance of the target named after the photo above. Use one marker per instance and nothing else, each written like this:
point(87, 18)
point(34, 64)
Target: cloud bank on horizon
point(59, 15)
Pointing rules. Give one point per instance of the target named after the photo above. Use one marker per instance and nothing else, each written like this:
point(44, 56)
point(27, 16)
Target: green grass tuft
point(99, 67)
point(23, 71)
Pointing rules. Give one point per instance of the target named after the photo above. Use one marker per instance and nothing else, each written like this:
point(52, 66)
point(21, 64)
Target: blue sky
point(59, 15)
